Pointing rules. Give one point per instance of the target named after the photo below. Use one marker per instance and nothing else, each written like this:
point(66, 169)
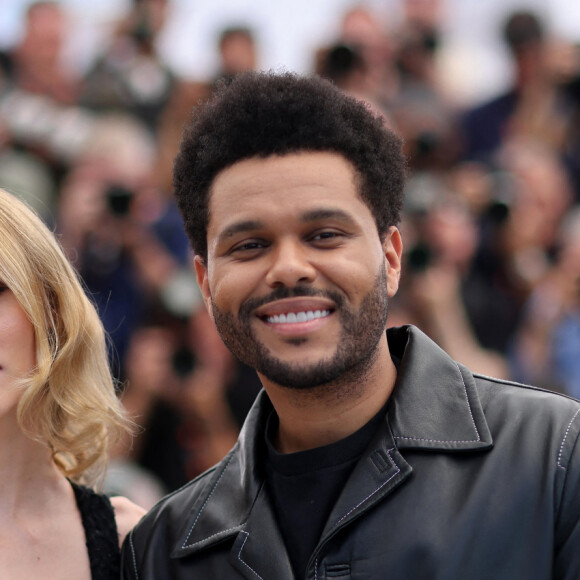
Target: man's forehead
point(317, 170)
point(300, 160)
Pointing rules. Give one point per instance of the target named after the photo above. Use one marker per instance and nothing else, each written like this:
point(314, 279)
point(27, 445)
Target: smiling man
point(370, 453)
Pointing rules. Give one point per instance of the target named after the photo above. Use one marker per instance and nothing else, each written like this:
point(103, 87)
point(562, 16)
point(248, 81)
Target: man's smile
point(296, 314)
point(295, 309)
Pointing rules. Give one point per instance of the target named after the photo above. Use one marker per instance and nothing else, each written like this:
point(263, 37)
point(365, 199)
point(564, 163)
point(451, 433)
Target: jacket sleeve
point(567, 533)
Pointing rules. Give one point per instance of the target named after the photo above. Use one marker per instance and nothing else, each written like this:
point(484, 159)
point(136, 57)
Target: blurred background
point(93, 98)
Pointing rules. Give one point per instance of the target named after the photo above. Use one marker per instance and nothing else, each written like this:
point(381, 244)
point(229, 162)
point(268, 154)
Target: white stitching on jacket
point(375, 491)
point(468, 403)
point(203, 507)
point(240, 553)
point(436, 440)
point(220, 533)
point(451, 440)
point(564, 439)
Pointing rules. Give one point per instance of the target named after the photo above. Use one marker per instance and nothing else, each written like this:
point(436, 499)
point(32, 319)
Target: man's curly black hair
point(260, 114)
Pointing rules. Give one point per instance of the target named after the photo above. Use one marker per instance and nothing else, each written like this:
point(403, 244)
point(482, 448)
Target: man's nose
point(290, 265)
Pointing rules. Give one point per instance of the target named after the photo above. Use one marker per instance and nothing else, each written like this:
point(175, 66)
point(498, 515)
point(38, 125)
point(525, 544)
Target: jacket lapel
point(259, 551)
point(222, 507)
point(380, 471)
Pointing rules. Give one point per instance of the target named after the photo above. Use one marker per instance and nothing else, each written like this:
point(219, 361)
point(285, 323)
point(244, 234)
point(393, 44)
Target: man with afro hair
point(369, 453)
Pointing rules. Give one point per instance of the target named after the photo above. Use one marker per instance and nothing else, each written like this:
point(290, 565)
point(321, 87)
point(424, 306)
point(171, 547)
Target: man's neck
point(310, 418)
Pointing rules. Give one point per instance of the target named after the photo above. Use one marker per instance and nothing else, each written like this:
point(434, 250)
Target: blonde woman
point(59, 414)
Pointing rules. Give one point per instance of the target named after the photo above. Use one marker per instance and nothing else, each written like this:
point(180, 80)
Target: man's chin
point(299, 375)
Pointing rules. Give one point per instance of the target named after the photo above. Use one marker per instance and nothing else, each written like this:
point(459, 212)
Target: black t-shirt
point(305, 486)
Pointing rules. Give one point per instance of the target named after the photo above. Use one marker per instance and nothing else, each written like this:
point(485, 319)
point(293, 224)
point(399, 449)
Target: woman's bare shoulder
point(127, 514)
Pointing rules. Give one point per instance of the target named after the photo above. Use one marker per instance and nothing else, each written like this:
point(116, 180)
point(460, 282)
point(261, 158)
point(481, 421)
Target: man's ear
point(201, 273)
point(393, 249)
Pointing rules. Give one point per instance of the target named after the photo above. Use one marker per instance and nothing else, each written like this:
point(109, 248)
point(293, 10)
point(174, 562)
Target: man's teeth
point(293, 317)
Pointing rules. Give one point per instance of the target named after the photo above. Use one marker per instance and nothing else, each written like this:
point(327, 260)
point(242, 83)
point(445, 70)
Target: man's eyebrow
point(326, 213)
point(239, 227)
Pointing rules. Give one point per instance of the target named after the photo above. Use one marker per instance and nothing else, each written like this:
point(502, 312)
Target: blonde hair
point(69, 401)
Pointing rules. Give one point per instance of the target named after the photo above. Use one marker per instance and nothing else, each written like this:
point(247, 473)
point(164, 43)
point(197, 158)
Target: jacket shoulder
point(504, 391)
point(537, 414)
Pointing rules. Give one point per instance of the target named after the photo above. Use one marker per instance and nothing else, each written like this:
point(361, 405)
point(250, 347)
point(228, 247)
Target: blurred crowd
point(491, 226)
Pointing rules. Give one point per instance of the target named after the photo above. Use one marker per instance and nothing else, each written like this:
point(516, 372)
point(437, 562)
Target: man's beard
point(361, 331)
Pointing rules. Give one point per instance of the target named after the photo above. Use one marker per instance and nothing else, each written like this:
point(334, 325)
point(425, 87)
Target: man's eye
point(249, 246)
point(326, 236)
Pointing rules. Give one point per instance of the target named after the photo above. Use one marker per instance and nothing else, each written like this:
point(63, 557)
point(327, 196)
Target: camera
point(118, 199)
point(419, 257)
point(183, 361)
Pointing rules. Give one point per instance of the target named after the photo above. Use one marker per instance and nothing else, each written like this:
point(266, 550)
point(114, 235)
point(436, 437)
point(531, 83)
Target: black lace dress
point(101, 533)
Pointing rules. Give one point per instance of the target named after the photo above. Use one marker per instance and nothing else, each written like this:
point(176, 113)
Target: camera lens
point(119, 199)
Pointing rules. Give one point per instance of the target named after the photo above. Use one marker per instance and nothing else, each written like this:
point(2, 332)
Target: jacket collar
point(434, 406)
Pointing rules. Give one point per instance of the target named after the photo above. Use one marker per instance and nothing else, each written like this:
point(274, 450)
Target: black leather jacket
point(469, 478)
